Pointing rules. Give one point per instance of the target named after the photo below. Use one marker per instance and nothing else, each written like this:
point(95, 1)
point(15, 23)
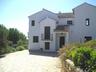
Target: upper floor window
point(33, 22)
point(35, 39)
point(57, 22)
point(87, 21)
point(47, 32)
point(69, 22)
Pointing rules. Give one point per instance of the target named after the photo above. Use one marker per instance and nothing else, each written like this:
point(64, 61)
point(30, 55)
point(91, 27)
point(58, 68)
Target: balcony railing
point(49, 37)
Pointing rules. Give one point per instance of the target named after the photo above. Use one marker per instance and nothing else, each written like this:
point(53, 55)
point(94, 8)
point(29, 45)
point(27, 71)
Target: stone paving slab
point(23, 62)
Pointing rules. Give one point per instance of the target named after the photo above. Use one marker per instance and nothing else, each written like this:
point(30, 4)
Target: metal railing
point(50, 37)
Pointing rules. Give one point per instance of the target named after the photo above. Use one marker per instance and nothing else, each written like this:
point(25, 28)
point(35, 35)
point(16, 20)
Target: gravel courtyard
point(22, 61)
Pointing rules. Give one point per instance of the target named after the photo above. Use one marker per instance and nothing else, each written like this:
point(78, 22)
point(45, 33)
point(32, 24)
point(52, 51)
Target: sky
point(14, 13)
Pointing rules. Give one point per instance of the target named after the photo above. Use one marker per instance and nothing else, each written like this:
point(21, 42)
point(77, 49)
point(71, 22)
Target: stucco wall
point(37, 30)
point(52, 23)
point(79, 30)
point(76, 33)
point(63, 21)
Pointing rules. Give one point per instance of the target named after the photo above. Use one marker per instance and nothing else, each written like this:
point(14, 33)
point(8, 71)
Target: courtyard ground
point(22, 61)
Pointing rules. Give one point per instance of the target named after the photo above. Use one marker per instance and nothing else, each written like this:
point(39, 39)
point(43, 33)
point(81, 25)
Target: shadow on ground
point(41, 53)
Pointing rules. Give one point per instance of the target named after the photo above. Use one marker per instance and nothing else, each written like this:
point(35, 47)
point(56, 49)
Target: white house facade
point(50, 31)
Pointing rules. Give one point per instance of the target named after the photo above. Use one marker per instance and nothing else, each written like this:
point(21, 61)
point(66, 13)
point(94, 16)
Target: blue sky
point(14, 13)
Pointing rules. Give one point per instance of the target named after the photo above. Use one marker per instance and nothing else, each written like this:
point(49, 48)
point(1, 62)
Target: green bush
point(85, 58)
point(10, 49)
point(65, 51)
point(2, 51)
point(22, 43)
point(83, 55)
point(19, 48)
point(91, 44)
point(25, 46)
point(10, 43)
point(93, 61)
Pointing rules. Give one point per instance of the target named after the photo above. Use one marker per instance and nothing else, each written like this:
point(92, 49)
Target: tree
point(11, 38)
point(3, 38)
point(22, 37)
point(13, 35)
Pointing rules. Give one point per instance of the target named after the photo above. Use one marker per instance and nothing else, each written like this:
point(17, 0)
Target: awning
point(62, 28)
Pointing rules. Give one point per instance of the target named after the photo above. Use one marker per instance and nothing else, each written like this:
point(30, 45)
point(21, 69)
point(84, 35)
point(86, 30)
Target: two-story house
point(50, 31)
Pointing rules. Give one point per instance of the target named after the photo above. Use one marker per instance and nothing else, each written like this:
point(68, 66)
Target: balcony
point(47, 37)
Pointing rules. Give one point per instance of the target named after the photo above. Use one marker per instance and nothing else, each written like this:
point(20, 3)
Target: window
point(47, 45)
point(87, 21)
point(69, 22)
point(47, 33)
point(35, 39)
point(33, 23)
point(57, 22)
point(88, 38)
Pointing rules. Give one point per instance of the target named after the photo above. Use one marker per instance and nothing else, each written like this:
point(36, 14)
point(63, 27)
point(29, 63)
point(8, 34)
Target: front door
point(61, 41)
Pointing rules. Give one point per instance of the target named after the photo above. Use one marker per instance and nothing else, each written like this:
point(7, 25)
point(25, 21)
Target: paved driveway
point(23, 62)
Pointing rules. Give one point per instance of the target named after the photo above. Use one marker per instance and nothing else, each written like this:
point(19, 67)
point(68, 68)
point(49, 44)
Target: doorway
point(61, 41)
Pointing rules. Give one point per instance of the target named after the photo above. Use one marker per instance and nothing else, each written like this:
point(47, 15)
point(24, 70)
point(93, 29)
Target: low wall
point(69, 65)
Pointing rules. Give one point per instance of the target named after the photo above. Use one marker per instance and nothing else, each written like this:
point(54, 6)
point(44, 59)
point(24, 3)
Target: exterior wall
point(52, 24)
point(35, 30)
point(63, 21)
point(39, 16)
point(79, 30)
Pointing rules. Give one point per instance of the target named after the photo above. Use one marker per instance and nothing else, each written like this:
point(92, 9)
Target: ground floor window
point(88, 38)
point(47, 45)
point(35, 39)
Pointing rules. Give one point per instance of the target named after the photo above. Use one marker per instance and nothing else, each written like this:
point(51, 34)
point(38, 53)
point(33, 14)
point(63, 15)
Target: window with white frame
point(87, 21)
point(35, 39)
point(88, 38)
point(33, 22)
point(69, 22)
